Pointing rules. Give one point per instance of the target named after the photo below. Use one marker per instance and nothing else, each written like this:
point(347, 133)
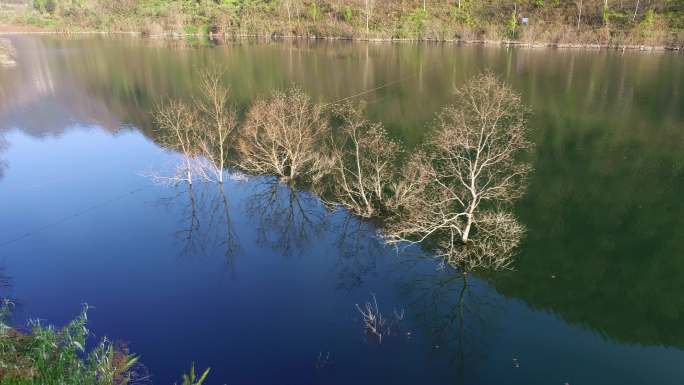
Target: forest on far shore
point(586, 22)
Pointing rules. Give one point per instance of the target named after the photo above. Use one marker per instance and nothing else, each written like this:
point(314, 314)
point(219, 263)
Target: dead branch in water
point(375, 323)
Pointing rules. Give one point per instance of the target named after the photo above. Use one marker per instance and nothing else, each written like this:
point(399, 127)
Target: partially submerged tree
point(471, 163)
point(217, 123)
point(362, 163)
point(282, 136)
point(177, 127)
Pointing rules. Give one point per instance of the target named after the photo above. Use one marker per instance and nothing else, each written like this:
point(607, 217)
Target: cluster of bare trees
point(452, 194)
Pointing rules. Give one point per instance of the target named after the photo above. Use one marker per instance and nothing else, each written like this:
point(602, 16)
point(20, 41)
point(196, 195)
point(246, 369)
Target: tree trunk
point(287, 6)
point(636, 9)
point(367, 15)
point(466, 232)
point(579, 15)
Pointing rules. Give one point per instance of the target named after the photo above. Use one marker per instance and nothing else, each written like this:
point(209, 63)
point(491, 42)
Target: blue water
point(256, 280)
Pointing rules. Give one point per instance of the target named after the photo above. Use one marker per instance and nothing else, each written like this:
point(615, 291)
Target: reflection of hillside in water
point(43, 96)
point(604, 211)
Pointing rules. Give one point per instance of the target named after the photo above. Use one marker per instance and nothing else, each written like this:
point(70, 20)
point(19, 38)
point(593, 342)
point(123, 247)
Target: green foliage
point(390, 18)
point(313, 11)
point(49, 356)
point(464, 14)
point(44, 6)
point(648, 20)
point(512, 26)
point(192, 379)
point(646, 27)
point(414, 23)
point(348, 14)
point(191, 29)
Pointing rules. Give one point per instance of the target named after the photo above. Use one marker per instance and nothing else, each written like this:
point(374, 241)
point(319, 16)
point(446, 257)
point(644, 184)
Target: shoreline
point(7, 31)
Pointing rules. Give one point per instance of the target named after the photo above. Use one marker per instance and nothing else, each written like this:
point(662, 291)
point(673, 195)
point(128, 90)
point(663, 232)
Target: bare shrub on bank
point(362, 163)
point(282, 136)
point(471, 161)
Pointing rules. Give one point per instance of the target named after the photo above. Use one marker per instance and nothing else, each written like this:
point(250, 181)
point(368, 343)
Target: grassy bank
point(585, 22)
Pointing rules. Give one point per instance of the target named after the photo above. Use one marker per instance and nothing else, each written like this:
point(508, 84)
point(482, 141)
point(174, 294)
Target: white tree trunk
point(636, 9)
point(579, 16)
point(466, 231)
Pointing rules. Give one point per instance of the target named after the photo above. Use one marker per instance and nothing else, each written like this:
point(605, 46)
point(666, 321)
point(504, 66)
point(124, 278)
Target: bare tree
point(363, 163)
point(282, 136)
point(471, 159)
point(368, 10)
point(287, 4)
point(218, 123)
point(499, 234)
point(177, 127)
point(578, 3)
point(636, 10)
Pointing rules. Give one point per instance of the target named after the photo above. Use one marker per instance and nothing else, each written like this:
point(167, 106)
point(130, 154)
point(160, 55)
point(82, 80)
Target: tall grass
point(46, 355)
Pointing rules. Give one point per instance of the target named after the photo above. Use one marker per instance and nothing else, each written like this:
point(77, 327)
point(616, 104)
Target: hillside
point(605, 22)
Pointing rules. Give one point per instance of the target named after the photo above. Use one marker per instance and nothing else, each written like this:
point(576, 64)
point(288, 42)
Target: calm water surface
point(259, 281)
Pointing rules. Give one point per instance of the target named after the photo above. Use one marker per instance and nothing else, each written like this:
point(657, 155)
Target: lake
point(259, 281)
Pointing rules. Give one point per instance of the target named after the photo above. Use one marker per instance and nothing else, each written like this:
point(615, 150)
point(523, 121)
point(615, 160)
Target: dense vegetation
point(652, 22)
point(49, 356)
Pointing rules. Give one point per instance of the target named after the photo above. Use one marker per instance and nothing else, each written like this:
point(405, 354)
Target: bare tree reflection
point(3, 163)
point(457, 314)
point(220, 218)
point(288, 219)
point(205, 222)
point(359, 246)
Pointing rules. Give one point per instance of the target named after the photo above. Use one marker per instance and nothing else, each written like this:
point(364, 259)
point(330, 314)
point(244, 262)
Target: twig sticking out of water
point(374, 322)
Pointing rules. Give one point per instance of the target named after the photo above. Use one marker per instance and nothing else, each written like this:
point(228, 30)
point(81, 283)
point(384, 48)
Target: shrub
point(414, 24)
point(48, 356)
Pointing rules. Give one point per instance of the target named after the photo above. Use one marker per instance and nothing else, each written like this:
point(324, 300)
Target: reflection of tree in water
point(358, 245)
point(288, 219)
point(3, 163)
point(206, 223)
point(457, 314)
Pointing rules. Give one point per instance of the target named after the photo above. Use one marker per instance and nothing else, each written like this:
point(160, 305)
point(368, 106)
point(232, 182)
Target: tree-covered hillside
point(650, 22)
